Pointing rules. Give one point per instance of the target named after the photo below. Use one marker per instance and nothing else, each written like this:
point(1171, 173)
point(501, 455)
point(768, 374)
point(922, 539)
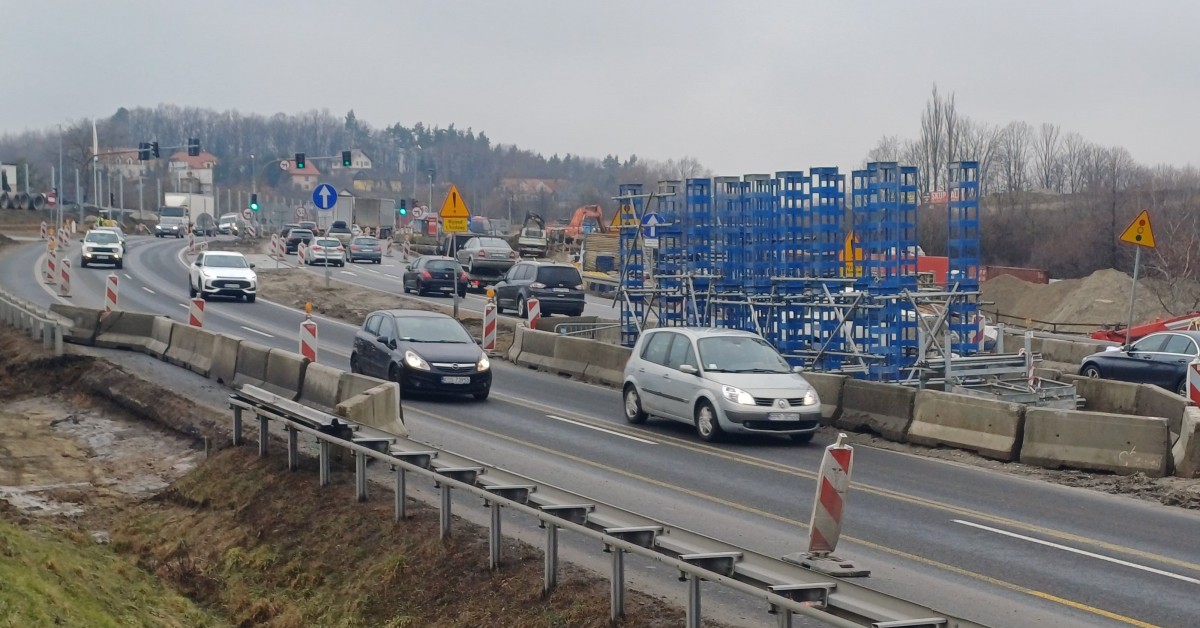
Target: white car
point(116, 230)
point(326, 251)
point(102, 246)
point(222, 273)
point(228, 224)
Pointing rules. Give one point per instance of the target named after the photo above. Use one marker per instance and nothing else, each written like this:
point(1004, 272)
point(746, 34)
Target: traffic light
point(253, 202)
point(403, 210)
point(193, 147)
point(300, 161)
point(346, 159)
point(154, 149)
point(143, 151)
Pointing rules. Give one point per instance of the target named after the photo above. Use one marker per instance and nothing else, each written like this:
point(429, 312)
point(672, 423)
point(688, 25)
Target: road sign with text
point(455, 213)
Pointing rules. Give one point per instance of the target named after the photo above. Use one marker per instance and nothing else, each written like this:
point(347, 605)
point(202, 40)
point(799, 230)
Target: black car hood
point(463, 353)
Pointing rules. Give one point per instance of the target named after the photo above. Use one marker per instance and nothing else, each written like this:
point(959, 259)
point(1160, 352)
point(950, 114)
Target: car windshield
point(229, 218)
point(740, 354)
point(493, 243)
point(559, 275)
point(431, 329)
point(101, 237)
point(366, 241)
point(300, 233)
point(442, 264)
point(533, 233)
point(225, 261)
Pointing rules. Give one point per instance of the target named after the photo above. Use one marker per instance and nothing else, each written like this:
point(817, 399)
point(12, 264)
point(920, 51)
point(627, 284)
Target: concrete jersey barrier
point(606, 363)
point(224, 358)
point(321, 385)
point(378, 407)
point(1156, 401)
point(1105, 395)
point(191, 348)
point(285, 373)
point(251, 364)
point(885, 409)
point(132, 331)
point(829, 388)
point(1121, 443)
point(537, 349)
point(1186, 452)
point(514, 350)
point(988, 427)
point(571, 355)
point(83, 322)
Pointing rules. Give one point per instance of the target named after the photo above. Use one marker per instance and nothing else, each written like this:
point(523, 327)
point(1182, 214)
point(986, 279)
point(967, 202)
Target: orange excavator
point(587, 219)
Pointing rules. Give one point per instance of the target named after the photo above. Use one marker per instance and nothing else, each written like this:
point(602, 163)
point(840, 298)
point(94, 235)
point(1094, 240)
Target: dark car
point(295, 237)
point(557, 287)
point(311, 226)
point(425, 352)
point(286, 228)
point(434, 274)
point(1161, 359)
point(340, 230)
point(363, 248)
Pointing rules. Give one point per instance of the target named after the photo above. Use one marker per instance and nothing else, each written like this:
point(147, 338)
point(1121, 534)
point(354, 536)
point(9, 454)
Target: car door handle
point(641, 370)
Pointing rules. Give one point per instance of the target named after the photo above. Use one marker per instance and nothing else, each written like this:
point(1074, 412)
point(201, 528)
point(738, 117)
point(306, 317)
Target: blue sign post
point(650, 223)
point(325, 196)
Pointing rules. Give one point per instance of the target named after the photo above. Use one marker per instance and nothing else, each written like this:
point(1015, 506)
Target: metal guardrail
point(39, 323)
point(583, 330)
point(785, 588)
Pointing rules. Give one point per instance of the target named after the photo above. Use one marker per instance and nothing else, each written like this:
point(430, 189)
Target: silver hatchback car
point(721, 381)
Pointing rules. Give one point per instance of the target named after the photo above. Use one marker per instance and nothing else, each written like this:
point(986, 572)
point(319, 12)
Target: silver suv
point(721, 381)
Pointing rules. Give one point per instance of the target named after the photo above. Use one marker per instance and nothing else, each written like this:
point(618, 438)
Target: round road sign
point(246, 214)
point(301, 213)
point(284, 165)
point(418, 212)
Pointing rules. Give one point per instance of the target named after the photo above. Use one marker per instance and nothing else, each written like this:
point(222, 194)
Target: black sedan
point(1160, 358)
point(434, 274)
point(295, 237)
point(425, 352)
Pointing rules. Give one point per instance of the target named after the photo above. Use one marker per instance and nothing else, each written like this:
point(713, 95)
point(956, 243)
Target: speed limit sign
point(301, 213)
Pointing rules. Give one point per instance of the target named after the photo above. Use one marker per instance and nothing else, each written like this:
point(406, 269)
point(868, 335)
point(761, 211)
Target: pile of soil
point(1100, 299)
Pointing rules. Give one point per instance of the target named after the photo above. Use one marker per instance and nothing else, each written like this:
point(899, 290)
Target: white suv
point(222, 273)
point(102, 246)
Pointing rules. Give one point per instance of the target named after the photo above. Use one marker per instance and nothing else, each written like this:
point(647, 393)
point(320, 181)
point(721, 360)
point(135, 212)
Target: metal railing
point(584, 330)
point(40, 323)
point(785, 589)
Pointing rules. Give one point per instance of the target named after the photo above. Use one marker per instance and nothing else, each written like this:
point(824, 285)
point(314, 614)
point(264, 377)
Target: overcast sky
point(744, 86)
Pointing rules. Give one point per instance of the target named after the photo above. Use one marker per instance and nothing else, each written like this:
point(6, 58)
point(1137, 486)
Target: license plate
point(446, 288)
point(456, 380)
point(101, 257)
point(783, 416)
point(562, 290)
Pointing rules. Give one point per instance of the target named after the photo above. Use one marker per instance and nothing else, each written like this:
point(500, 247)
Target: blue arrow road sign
point(650, 223)
point(324, 196)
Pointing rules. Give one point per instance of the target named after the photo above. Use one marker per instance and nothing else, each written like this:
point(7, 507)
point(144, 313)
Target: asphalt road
point(996, 548)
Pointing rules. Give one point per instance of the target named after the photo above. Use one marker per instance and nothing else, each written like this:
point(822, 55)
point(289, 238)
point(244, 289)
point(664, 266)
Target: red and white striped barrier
point(535, 312)
point(489, 326)
point(43, 231)
point(1193, 382)
point(825, 527)
point(251, 232)
point(196, 312)
point(64, 239)
point(274, 250)
point(191, 242)
point(978, 338)
point(64, 278)
point(51, 266)
point(110, 292)
point(308, 340)
point(407, 250)
point(302, 252)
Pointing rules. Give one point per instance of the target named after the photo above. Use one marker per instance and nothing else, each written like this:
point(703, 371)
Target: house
point(530, 189)
point(192, 172)
point(306, 179)
point(365, 182)
point(124, 161)
point(358, 161)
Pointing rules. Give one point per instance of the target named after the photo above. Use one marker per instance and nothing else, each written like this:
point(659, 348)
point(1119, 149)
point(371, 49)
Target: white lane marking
point(147, 289)
point(346, 272)
point(184, 306)
point(127, 276)
point(600, 429)
point(1079, 551)
point(261, 333)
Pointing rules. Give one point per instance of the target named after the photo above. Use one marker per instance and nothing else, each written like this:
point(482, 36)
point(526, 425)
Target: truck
point(532, 240)
point(370, 214)
point(197, 210)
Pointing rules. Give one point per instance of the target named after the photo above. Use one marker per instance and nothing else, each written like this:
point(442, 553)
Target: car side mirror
point(689, 369)
point(391, 343)
point(252, 266)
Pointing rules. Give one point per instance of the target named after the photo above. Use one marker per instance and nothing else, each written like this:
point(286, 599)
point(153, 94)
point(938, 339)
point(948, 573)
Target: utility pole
point(78, 198)
point(158, 199)
point(141, 197)
point(60, 186)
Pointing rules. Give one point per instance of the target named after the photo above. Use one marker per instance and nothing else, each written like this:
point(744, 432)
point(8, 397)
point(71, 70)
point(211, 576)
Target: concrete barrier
point(191, 348)
point(571, 355)
point(991, 428)
point(829, 387)
point(537, 349)
point(285, 373)
point(224, 358)
point(514, 349)
point(251, 364)
point(885, 409)
point(321, 386)
point(606, 363)
point(1105, 395)
point(1156, 401)
point(1096, 441)
point(83, 322)
point(131, 331)
point(1186, 452)
point(378, 407)
point(160, 337)
point(352, 384)
point(548, 323)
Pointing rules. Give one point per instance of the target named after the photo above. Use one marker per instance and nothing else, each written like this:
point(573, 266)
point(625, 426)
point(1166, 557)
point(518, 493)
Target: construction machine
point(532, 241)
point(587, 219)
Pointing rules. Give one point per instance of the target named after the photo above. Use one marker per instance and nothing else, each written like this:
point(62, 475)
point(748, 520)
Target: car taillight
point(481, 252)
point(462, 277)
point(426, 275)
point(316, 247)
point(341, 250)
point(537, 285)
point(353, 247)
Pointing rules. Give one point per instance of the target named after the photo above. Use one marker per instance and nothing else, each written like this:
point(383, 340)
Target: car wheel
point(82, 264)
point(203, 296)
point(420, 289)
point(354, 363)
point(802, 438)
point(482, 396)
point(1182, 388)
point(522, 308)
point(191, 290)
point(251, 297)
point(394, 376)
point(1092, 371)
point(470, 266)
point(633, 406)
point(707, 425)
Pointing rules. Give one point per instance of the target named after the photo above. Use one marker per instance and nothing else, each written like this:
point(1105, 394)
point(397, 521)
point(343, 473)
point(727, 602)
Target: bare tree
point(1047, 154)
point(931, 143)
point(980, 143)
point(1074, 158)
point(1015, 147)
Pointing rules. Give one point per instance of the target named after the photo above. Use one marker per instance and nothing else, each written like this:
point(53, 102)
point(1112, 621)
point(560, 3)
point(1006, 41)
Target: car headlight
point(483, 364)
point(737, 395)
point(811, 398)
point(415, 361)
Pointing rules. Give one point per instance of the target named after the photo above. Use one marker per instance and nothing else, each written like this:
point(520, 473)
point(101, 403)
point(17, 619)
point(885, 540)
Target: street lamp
point(431, 191)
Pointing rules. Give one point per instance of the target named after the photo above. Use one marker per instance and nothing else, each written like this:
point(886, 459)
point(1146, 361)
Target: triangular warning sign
point(624, 217)
point(454, 206)
point(1139, 231)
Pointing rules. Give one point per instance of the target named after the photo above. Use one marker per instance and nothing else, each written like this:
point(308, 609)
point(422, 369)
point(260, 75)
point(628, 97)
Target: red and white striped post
point(308, 339)
point(64, 279)
point(1193, 382)
point(302, 252)
point(64, 239)
point(489, 326)
point(43, 231)
point(825, 525)
point(51, 265)
point(535, 312)
point(110, 292)
point(191, 242)
point(196, 312)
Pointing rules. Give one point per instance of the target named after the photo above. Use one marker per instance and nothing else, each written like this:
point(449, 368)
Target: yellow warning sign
point(625, 217)
point(454, 206)
point(454, 225)
point(1139, 231)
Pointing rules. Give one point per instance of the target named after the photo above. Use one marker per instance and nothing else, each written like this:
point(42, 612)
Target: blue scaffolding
point(670, 263)
point(633, 266)
point(702, 246)
point(962, 248)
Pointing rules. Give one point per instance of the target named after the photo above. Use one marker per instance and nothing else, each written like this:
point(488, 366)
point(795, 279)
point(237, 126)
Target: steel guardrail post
point(262, 436)
point(293, 449)
point(237, 426)
point(47, 335)
point(445, 512)
point(59, 332)
point(360, 476)
point(693, 604)
point(550, 579)
point(617, 596)
point(494, 537)
point(400, 493)
point(323, 462)
point(784, 617)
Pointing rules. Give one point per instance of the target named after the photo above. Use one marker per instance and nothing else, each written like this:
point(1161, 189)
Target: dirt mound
point(1099, 299)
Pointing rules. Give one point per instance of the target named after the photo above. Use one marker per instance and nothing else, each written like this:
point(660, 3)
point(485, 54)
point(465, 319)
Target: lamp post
point(431, 189)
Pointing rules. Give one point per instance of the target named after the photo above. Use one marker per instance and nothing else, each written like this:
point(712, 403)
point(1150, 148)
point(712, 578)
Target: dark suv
point(295, 237)
point(557, 287)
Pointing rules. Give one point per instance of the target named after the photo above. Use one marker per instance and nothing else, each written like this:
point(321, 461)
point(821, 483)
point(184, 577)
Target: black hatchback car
point(295, 237)
point(425, 352)
point(557, 287)
point(1160, 358)
point(434, 274)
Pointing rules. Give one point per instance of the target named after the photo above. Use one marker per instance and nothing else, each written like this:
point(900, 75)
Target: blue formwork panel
point(791, 261)
point(824, 227)
point(730, 199)
point(701, 249)
point(633, 267)
point(670, 264)
point(963, 254)
point(761, 233)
